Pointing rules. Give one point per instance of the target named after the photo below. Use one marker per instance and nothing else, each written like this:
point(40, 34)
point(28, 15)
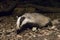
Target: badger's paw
point(34, 29)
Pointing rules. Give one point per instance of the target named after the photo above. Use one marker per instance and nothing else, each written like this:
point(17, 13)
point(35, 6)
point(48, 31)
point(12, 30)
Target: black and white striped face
point(21, 21)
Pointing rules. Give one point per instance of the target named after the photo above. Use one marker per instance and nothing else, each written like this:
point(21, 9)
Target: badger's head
point(24, 21)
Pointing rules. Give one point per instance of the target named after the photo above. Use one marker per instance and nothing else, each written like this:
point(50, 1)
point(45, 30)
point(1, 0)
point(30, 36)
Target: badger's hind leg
point(49, 24)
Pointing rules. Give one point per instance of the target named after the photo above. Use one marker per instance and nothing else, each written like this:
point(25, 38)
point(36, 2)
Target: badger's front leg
point(34, 29)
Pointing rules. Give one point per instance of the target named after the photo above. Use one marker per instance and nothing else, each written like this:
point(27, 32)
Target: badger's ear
point(18, 16)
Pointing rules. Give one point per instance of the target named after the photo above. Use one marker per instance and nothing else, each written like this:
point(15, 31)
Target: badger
point(33, 20)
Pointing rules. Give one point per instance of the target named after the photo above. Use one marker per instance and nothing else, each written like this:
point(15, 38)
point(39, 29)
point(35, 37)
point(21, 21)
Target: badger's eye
point(21, 20)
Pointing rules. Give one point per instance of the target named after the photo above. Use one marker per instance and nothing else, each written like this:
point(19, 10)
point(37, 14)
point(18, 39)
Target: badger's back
point(38, 18)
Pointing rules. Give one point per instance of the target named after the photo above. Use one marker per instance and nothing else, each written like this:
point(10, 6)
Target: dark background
point(42, 6)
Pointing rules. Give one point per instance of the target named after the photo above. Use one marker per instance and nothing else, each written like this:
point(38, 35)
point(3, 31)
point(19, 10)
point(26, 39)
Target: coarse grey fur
point(37, 18)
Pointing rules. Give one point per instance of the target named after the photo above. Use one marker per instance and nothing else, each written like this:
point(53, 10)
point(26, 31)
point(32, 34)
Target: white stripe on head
point(18, 22)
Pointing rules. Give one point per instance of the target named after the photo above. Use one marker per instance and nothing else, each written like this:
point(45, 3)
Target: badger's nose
point(21, 20)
